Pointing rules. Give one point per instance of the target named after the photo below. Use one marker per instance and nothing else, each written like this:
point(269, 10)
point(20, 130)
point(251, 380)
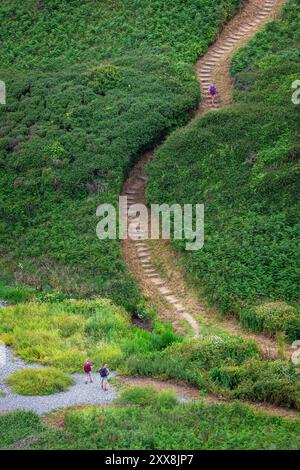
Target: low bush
point(39, 381)
point(273, 382)
point(148, 419)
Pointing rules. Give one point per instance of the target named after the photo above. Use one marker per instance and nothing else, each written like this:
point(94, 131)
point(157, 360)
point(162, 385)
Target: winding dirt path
point(153, 263)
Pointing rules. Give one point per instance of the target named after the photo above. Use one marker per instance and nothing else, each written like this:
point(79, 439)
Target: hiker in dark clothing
point(104, 373)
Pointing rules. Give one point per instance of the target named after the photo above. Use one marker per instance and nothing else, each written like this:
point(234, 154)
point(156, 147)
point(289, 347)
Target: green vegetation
point(243, 164)
point(224, 365)
point(63, 334)
point(146, 419)
point(82, 103)
point(39, 381)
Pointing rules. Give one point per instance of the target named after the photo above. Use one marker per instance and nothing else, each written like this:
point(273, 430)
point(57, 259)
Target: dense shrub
point(39, 381)
point(147, 419)
point(273, 317)
point(274, 382)
point(223, 365)
point(242, 163)
point(103, 78)
point(179, 29)
point(190, 360)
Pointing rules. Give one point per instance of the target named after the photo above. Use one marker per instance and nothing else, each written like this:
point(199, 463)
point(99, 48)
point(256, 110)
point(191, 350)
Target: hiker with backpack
point(87, 368)
point(212, 92)
point(104, 373)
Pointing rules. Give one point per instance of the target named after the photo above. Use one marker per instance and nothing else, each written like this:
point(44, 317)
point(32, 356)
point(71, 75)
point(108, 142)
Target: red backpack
point(87, 367)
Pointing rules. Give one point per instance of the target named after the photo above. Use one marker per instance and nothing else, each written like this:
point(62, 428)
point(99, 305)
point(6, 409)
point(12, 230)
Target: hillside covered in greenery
point(243, 164)
point(59, 335)
point(89, 85)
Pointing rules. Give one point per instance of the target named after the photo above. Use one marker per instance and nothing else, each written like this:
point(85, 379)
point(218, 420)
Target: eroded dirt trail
point(153, 263)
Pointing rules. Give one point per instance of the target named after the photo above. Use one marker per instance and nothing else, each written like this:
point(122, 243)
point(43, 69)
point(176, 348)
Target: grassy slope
point(67, 139)
point(243, 164)
point(145, 419)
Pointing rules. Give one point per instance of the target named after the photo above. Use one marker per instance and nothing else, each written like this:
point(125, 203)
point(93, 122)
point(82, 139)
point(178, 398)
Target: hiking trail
point(153, 262)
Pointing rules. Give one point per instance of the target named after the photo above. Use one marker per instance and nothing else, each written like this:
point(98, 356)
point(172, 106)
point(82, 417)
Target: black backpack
point(103, 372)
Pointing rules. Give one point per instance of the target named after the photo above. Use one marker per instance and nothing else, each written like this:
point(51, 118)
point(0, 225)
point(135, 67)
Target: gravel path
point(78, 394)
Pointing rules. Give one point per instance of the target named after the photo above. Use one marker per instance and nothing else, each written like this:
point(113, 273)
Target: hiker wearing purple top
point(212, 92)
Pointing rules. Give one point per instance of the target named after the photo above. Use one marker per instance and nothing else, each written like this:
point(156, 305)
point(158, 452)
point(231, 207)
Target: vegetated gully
point(183, 308)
